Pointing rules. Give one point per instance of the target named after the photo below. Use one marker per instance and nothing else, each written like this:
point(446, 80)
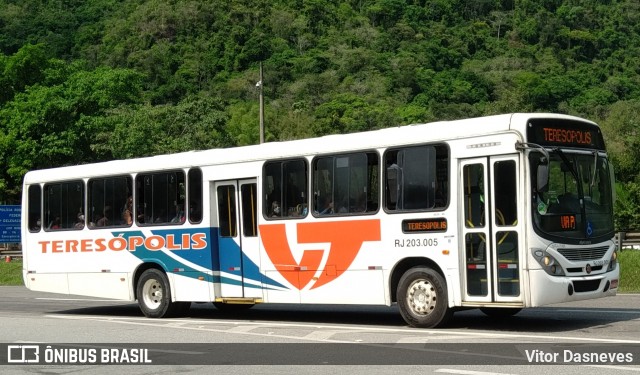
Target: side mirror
point(543, 178)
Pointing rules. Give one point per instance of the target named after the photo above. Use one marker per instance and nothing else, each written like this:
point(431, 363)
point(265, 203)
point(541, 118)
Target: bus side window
point(346, 184)
point(195, 195)
point(35, 208)
point(63, 205)
point(416, 178)
point(109, 201)
point(285, 185)
point(160, 198)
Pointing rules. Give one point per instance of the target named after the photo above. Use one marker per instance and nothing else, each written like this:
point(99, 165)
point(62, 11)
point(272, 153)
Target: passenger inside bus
point(127, 213)
point(55, 224)
point(326, 207)
point(179, 218)
point(79, 222)
point(104, 220)
point(275, 209)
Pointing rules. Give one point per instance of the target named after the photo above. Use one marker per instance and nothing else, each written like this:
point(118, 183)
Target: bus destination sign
point(567, 136)
point(424, 225)
point(564, 133)
point(568, 222)
point(560, 223)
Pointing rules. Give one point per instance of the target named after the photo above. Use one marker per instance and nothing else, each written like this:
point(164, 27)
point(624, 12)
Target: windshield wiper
point(595, 165)
point(566, 161)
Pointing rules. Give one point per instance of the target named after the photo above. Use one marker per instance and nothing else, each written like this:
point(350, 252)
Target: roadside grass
point(11, 273)
point(629, 271)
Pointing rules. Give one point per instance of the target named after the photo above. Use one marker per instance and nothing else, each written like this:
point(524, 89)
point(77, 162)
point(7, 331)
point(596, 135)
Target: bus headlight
point(548, 262)
point(613, 261)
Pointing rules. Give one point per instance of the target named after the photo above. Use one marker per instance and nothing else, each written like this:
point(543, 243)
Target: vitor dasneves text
point(569, 356)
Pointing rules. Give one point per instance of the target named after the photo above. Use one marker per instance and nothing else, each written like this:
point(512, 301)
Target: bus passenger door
point(237, 257)
point(491, 242)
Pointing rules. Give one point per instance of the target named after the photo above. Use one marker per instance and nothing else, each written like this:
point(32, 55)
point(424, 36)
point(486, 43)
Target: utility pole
point(261, 106)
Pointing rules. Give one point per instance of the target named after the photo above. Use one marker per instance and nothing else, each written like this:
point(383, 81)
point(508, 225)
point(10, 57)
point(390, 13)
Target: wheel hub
point(152, 294)
point(422, 297)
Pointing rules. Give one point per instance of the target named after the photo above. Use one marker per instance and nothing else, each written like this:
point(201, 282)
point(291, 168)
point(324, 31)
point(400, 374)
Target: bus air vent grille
point(578, 254)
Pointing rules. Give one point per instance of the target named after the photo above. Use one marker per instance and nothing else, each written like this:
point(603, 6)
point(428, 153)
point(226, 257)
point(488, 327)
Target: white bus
point(498, 213)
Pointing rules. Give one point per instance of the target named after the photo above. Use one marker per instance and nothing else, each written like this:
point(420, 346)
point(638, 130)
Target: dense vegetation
point(93, 80)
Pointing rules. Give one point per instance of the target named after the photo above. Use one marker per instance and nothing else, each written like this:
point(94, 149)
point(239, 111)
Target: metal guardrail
point(628, 240)
point(11, 250)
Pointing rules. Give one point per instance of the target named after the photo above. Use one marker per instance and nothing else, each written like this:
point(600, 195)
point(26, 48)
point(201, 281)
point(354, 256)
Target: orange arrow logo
point(346, 239)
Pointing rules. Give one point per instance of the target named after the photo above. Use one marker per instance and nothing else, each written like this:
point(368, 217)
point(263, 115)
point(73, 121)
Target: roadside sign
point(10, 224)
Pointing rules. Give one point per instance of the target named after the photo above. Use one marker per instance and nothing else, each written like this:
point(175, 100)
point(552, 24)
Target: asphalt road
point(326, 339)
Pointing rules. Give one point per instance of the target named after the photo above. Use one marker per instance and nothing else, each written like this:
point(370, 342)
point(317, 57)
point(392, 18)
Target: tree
point(196, 123)
point(621, 130)
point(51, 125)
point(22, 69)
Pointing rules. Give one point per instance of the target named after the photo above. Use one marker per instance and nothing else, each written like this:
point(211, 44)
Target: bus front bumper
point(546, 289)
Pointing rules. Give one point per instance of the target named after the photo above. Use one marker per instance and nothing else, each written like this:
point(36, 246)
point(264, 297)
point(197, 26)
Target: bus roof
point(336, 143)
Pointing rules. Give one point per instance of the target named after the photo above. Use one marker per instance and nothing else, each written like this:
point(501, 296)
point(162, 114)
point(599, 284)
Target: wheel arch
point(403, 266)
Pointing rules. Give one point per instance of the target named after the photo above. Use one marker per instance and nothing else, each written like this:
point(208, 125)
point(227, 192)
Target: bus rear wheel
point(154, 296)
point(422, 298)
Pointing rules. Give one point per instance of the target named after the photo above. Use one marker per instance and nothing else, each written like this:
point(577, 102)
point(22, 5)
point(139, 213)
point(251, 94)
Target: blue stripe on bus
point(203, 257)
point(229, 258)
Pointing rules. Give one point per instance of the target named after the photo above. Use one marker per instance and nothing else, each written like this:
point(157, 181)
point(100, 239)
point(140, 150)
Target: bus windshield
point(577, 203)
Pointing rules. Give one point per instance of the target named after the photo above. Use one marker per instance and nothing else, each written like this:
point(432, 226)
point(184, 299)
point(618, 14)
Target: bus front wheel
point(422, 298)
point(154, 295)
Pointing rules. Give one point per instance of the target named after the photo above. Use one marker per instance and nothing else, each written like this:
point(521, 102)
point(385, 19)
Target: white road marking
point(79, 299)
point(634, 312)
point(241, 329)
point(324, 335)
point(610, 367)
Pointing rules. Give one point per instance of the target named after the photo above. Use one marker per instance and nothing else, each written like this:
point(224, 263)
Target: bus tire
point(422, 298)
point(154, 295)
point(500, 312)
